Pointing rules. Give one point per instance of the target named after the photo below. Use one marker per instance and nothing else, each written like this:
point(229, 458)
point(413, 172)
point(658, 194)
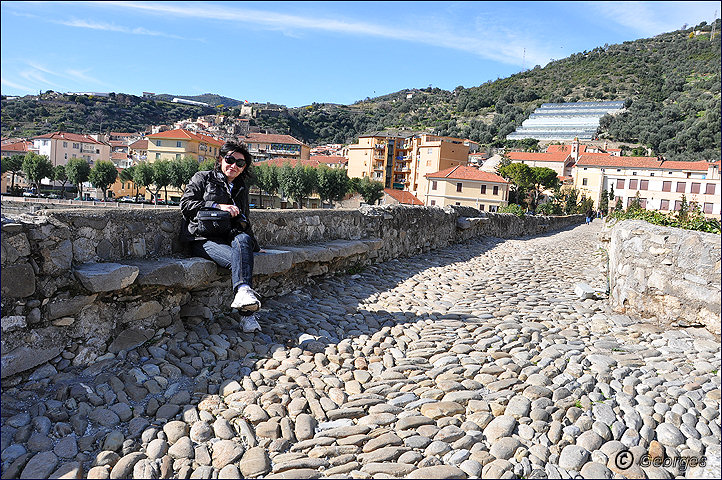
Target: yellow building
point(401, 161)
point(660, 183)
point(178, 143)
point(466, 186)
point(122, 189)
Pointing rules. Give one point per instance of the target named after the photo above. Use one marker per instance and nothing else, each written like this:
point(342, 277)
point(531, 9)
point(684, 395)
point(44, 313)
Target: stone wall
point(84, 283)
point(669, 275)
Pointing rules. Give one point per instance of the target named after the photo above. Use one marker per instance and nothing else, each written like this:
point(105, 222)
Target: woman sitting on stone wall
point(216, 223)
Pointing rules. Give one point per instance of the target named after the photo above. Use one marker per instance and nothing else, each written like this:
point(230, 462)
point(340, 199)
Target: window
point(158, 142)
point(644, 184)
point(709, 189)
point(651, 174)
point(666, 186)
point(483, 189)
point(458, 203)
point(429, 151)
point(434, 184)
point(643, 203)
point(664, 205)
point(433, 202)
point(177, 156)
point(634, 173)
point(65, 144)
point(584, 181)
point(694, 188)
point(620, 184)
point(481, 207)
point(681, 187)
point(493, 208)
point(157, 156)
point(179, 144)
point(496, 190)
point(677, 205)
point(707, 208)
point(633, 184)
point(458, 187)
point(76, 145)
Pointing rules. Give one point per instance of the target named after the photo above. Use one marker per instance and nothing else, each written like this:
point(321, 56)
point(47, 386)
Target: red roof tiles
point(606, 160)
point(183, 134)
point(281, 161)
point(462, 172)
point(538, 157)
point(269, 138)
point(73, 137)
point(402, 196)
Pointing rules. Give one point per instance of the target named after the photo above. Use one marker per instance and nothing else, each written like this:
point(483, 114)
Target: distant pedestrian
point(229, 242)
point(589, 215)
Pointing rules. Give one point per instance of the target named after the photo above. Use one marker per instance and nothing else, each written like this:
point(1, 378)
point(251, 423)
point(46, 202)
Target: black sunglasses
point(229, 159)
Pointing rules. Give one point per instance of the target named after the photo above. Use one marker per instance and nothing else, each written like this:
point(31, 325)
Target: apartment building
point(402, 160)
point(138, 150)
point(178, 143)
point(60, 147)
point(265, 146)
point(660, 183)
point(466, 186)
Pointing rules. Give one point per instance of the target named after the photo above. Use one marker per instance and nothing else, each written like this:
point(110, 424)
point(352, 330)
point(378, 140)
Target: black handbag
point(213, 222)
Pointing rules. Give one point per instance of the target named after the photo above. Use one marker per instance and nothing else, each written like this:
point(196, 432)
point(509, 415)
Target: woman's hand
point(232, 209)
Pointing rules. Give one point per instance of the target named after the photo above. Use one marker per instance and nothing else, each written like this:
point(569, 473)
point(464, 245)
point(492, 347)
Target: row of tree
point(297, 183)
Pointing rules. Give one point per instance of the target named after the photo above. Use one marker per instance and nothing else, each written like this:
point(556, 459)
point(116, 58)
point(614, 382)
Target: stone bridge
point(477, 360)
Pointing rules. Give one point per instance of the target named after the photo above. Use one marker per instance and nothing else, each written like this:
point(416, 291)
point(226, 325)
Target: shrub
point(517, 210)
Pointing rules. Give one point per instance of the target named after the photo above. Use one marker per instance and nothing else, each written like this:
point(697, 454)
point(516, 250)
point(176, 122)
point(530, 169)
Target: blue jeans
point(238, 257)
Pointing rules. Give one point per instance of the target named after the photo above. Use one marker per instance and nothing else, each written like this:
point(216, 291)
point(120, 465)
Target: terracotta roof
point(402, 196)
point(269, 138)
point(462, 172)
point(183, 134)
point(606, 160)
point(139, 145)
point(281, 161)
point(565, 149)
point(117, 143)
point(118, 156)
point(538, 157)
point(17, 146)
point(329, 159)
point(73, 137)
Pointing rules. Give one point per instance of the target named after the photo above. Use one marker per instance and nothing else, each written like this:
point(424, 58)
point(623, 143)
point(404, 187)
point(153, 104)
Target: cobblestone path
point(473, 361)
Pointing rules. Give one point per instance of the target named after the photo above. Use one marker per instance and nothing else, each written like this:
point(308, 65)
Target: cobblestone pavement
point(477, 360)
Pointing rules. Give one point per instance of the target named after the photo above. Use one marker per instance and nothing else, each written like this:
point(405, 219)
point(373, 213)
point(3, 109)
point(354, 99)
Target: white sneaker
point(250, 324)
point(246, 299)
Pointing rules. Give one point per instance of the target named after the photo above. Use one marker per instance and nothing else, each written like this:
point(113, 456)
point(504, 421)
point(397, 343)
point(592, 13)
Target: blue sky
point(297, 53)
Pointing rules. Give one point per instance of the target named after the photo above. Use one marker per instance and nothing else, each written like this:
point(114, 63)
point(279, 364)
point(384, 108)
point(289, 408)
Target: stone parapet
point(667, 274)
point(86, 282)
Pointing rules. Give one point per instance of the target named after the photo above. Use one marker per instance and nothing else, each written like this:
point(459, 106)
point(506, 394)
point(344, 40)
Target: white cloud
point(8, 83)
point(93, 25)
point(654, 18)
point(505, 48)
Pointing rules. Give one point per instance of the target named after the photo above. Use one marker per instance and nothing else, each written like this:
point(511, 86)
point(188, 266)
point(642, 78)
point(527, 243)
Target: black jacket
point(207, 188)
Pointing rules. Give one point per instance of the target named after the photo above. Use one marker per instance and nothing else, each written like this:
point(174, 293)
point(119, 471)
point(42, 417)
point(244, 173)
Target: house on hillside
point(266, 146)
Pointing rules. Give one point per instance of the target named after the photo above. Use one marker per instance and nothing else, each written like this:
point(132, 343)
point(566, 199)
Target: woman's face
point(232, 170)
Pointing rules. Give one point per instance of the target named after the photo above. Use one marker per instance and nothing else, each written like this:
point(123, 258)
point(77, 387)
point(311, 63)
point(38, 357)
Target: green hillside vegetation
point(670, 83)
point(51, 111)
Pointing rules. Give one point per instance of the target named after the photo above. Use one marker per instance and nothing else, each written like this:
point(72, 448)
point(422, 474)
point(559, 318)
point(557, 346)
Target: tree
point(103, 175)
point(161, 177)
point(604, 202)
point(206, 165)
point(332, 183)
point(181, 171)
point(143, 175)
point(78, 172)
point(297, 182)
point(371, 190)
point(521, 178)
point(14, 165)
point(60, 175)
point(36, 167)
point(542, 178)
point(267, 179)
point(683, 212)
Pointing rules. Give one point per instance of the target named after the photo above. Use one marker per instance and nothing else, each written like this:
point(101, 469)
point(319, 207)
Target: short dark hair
point(232, 146)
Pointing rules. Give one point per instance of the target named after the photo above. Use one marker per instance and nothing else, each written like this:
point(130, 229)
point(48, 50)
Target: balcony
point(378, 166)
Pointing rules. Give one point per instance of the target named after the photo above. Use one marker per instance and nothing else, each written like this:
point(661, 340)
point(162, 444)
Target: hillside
point(670, 82)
